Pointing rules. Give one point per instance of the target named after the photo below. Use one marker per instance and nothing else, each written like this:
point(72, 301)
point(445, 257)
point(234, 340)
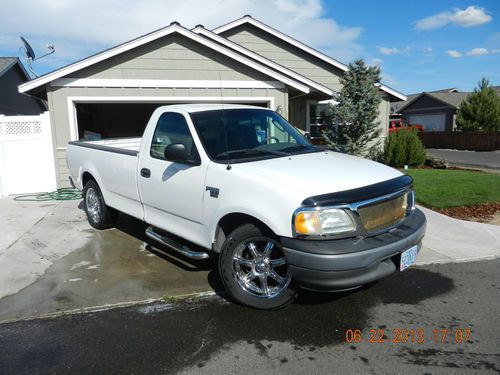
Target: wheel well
point(232, 221)
point(86, 178)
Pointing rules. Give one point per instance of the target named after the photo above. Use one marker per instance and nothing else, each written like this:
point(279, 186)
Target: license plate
point(408, 257)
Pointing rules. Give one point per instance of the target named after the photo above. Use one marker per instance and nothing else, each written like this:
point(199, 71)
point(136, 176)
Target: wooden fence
point(473, 141)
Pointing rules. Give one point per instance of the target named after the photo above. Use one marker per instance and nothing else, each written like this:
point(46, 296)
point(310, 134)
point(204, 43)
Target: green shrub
point(404, 148)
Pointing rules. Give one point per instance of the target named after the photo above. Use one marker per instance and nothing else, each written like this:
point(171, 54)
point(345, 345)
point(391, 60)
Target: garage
point(431, 122)
point(114, 120)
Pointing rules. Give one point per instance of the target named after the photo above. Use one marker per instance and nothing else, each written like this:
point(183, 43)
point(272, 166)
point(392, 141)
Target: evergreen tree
point(354, 129)
point(481, 110)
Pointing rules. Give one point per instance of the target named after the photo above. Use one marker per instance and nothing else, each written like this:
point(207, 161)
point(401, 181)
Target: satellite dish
point(30, 54)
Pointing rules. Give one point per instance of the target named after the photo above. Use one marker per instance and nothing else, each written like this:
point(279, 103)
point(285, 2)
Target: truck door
point(171, 192)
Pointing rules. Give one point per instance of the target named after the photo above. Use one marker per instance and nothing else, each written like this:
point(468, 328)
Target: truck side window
point(172, 128)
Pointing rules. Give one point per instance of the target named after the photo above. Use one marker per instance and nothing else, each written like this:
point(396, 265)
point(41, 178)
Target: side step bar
point(184, 250)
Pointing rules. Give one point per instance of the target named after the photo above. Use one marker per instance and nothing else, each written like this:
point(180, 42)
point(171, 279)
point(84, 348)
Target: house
point(113, 93)
point(435, 110)
point(12, 74)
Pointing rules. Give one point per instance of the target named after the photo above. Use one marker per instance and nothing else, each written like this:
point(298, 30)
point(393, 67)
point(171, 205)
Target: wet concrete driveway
point(60, 263)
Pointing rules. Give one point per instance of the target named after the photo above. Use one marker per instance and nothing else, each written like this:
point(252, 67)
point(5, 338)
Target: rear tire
point(254, 269)
point(99, 215)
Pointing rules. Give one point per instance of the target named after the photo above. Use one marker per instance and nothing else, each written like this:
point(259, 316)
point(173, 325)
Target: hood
point(320, 172)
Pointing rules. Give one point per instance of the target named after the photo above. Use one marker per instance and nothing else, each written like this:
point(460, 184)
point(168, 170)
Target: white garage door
point(431, 123)
point(26, 155)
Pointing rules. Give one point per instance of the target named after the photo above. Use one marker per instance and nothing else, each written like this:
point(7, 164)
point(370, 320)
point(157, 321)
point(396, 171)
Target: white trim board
point(163, 83)
point(173, 28)
point(73, 100)
point(201, 30)
point(296, 43)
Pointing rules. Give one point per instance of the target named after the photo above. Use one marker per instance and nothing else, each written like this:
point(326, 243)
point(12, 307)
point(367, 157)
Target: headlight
point(323, 222)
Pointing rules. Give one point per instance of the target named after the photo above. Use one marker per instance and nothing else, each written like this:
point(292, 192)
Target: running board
point(174, 245)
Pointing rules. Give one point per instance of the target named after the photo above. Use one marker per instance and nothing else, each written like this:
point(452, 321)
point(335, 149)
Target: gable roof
point(174, 27)
point(255, 56)
point(451, 89)
point(396, 106)
point(252, 21)
point(6, 63)
point(451, 99)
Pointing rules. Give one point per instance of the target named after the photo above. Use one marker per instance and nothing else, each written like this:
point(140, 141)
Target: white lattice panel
point(20, 127)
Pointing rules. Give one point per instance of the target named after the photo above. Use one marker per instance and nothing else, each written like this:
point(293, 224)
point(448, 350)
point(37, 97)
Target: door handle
point(146, 173)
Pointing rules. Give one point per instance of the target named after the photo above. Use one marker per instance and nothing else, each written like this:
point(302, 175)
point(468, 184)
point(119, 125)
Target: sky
point(420, 45)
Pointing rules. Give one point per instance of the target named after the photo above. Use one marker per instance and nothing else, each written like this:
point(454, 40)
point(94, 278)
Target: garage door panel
point(435, 122)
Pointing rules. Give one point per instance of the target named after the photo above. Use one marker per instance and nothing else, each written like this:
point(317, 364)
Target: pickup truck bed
point(114, 145)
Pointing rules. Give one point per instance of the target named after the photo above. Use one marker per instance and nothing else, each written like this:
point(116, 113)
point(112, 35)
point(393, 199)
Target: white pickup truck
point(241, 183)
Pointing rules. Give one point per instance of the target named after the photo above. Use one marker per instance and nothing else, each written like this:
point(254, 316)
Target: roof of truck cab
point(191, 108)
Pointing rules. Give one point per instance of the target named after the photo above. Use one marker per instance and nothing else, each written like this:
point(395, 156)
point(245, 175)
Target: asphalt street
point(488, 160)
point(437, 319)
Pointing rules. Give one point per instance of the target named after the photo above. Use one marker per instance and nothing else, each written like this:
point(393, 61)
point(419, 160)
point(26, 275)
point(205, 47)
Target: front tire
point(99, 215)
point(254, 270)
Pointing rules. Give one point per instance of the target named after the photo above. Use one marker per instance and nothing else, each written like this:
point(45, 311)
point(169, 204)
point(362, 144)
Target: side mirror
point(307, 135)
point(176, 152)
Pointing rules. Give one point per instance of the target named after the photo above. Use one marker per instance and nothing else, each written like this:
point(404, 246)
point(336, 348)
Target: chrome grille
point(382, 215)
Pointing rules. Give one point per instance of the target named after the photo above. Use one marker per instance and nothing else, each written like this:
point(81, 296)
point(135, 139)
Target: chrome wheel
point(260, 268)
point(93, 205)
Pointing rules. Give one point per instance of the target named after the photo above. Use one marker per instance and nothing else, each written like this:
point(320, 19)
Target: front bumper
point(347, 263)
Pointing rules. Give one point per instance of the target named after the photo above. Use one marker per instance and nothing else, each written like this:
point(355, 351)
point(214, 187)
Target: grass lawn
point(442, 188)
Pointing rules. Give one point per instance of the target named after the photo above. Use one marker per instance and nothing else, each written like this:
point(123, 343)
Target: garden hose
point(64, 194)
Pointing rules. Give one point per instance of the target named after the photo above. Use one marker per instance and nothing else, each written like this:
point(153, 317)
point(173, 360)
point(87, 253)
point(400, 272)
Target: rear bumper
point(347, 263)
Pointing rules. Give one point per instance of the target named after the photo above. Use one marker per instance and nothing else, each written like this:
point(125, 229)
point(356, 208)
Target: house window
point(319, 114)
point(319, 117)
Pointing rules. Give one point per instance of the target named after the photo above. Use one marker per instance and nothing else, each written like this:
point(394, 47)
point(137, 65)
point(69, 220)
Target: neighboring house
point(396, 106)
point(113, 93)
point(12, 74)
point(435, 110)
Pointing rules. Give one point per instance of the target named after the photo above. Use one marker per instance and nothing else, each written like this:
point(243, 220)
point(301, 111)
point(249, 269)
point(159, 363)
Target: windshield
point(248, 134)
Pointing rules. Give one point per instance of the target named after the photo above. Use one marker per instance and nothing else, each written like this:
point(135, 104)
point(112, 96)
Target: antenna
point(224, 122)
point(30, 53)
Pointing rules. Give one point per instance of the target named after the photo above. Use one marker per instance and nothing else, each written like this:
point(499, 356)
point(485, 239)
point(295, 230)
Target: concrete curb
point(111, 306)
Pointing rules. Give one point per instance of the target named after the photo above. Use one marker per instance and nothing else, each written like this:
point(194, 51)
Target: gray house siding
point(11, 101)
point(384, 109)
point(285, 54)
point(173, 57)
point(301, 62)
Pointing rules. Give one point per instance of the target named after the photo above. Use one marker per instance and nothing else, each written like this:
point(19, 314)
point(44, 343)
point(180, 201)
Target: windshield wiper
point(300, 148)
point(273, 152)
point(248, 151)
